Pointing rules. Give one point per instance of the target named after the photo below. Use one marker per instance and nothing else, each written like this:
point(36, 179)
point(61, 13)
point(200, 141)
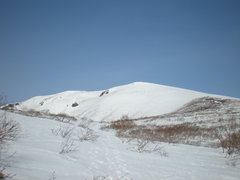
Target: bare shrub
point(160, 150)
point(9, 131)
point(68, 142)
point(63, 131)
point(141, 146)
point(229, 140)
point(68, 145)
point(66, 131)
point(87, 135)
point(85, 122)
point(148, 147)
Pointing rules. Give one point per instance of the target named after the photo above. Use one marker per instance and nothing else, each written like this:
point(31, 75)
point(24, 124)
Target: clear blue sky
point(49, 46)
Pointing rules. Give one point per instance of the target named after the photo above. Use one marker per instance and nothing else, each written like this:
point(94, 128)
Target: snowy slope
point(37, 157)
point(136, 100)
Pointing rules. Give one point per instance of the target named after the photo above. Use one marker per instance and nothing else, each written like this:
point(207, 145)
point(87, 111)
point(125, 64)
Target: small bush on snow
point(87, 134)
point(9, 131)
point(63, 131)
point(229, 140)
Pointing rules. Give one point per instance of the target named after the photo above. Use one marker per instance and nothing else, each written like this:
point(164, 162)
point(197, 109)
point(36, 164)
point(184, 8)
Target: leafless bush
point(141, 145)
point(68, 145)
point(9, 131)
point(84, 122)
point(87, 134)
point(229, 140)
point(148, 147)
point(160, 150)
point(63, 130)
point(66, 131)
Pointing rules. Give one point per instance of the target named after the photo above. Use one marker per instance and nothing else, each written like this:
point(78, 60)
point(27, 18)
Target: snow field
point(37, 157)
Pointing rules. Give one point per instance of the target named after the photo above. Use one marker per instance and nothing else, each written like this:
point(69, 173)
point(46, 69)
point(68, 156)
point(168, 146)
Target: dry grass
point(122, 125)
point(62, 117)
point(185, 133)
point(197, 122)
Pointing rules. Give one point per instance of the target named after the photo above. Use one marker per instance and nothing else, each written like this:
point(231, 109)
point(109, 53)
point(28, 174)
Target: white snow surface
point(37, 157)
point(135, 100)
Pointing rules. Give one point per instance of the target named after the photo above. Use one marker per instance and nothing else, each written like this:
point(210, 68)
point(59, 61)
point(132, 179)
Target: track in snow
point(106, 158)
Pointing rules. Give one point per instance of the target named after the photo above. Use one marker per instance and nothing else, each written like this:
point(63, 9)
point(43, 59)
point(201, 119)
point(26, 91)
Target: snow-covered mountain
point(138, 99)
point(160, 143)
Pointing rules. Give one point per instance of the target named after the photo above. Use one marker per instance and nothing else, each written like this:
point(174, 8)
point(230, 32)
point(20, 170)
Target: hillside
point(42, 152)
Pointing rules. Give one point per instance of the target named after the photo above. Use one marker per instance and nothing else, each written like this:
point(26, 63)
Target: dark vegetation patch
point(203, 104)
